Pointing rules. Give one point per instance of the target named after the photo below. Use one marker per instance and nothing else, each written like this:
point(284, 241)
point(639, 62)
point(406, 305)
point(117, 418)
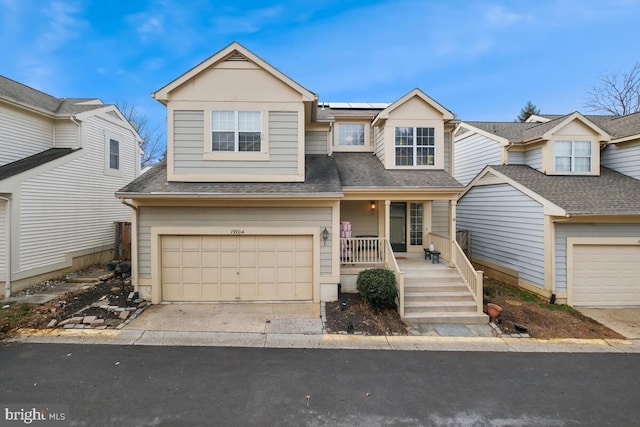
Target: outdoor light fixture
point(372, 206)
point(325, 236)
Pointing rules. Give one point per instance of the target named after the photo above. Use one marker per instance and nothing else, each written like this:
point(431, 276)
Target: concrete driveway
point(625, 321)
point(283, 318)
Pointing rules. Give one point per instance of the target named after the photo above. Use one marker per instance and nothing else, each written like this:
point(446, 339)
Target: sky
point(483, 60)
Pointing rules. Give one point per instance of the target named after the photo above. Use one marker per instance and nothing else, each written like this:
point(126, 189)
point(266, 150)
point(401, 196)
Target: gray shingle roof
point(324, 175)
point(611, 193)
point(28, 163)
point(40, 100)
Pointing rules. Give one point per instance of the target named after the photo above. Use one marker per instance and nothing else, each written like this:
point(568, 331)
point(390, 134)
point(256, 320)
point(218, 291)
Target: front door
point(398, 226)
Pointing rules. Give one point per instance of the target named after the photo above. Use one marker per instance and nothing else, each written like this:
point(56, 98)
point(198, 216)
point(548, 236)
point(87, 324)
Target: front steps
point(436, 293)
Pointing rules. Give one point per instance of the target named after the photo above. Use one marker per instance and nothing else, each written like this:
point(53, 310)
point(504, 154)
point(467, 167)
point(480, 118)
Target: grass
point(12, 316)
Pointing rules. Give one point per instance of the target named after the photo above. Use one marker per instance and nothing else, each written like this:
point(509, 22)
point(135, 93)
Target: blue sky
point(481, 59)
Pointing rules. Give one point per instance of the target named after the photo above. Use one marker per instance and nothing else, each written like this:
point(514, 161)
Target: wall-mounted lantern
point(372, 206)
point(325, 236)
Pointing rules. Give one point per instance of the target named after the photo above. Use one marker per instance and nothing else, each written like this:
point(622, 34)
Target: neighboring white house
point(553, 204)
point(61, 160)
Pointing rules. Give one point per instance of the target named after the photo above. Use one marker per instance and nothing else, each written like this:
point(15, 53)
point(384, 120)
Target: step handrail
point(472, 277)
point(392, 264)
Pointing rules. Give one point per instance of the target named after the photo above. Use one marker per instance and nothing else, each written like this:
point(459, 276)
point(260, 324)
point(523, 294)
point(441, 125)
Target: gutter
point(7, 271)
point(226, 195)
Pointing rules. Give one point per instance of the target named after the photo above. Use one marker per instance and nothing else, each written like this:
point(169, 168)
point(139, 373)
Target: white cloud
point(500, 17)
point(247, 22)
point(62, 25)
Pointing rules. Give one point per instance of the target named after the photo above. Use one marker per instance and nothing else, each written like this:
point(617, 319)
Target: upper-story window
point(236, 131)
point(572, 156)
point(415, 146)
point(114, 154)
point(351, 134)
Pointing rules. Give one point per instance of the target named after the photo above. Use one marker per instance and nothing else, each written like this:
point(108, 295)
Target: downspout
point(134, 244)
point(78, 138)
point(7, 271)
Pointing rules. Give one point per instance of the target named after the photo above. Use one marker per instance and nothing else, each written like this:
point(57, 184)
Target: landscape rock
point(76, 320)
point(52, 323)
point(88, 319)
point(124, 314)
point(97, 322)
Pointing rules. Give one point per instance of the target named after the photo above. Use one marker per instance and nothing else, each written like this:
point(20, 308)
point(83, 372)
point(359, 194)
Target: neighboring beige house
point(269, 195)
point(61, 160)
point(553, 205)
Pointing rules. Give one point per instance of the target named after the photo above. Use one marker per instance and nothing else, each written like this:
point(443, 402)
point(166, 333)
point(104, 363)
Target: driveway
point(299, 318)
point(625, 321)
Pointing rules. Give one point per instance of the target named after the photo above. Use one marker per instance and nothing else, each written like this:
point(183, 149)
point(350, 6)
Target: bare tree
point(152, 136)
point(618, 94)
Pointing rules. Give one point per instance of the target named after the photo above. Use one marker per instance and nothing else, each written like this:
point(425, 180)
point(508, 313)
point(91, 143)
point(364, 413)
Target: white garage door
point(606, 275)
point(237, 268)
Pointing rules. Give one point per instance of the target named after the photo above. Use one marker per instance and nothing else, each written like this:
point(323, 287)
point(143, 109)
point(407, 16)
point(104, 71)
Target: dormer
point(236, 118)
point(414, 133)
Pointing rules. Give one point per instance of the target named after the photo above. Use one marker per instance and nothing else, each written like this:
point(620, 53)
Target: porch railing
point(471, 276)
point(363, 250)
point(442, 245)
point(391, 263)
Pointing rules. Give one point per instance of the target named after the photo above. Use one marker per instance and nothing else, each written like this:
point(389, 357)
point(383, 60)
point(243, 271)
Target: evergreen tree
point(527, 111)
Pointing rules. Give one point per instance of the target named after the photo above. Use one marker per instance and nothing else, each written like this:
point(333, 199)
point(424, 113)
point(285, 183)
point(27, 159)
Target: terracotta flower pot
point(493, 310)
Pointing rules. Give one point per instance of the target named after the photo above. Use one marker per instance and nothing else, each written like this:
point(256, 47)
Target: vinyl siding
point(189, 137)
point(440, 217)
point(517, 157)
point(533, 158)
point(584, 230)
point(3, 239)
point(66, 135)
point(447, 151)
point(315, 142)
point(23, 135)
point(625, 160)
point(378, 135)
point(507, 229)
point(72, 207)
point(474, 153)
point(281, 217)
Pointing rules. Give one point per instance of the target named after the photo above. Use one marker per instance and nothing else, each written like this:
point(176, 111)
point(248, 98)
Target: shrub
point(378, 287)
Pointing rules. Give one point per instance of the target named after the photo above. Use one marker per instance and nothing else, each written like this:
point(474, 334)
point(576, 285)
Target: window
point(351, 134)
point(415, 223)
point(237, 131)
point(415, 146)
point(572, 156)
point(114, 154)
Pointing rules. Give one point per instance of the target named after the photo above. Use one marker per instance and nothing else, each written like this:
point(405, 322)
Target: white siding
point(440, 217)
point(282, 217)
point(3, 239)
point(474, 153)
point(584, 230)
point(507, 229)
point(315, 142)
point(516, 157)
point(189, 147)
point(625, 160)
point(72, 207)
point(533, 158)
point(23, 134)
point(378, 135)
point(66, 135)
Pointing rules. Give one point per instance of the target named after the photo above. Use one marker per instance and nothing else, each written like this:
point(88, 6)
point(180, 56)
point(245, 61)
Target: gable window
point(415, 146)
point(351, 134)
point(572, 156)
point(236, 131)
point(114, 154)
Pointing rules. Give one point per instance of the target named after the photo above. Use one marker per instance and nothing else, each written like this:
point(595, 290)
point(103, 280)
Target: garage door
point(606, 275)
point(237, 268)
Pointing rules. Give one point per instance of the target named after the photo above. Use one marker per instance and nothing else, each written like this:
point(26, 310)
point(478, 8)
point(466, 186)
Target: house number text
point(237, 231)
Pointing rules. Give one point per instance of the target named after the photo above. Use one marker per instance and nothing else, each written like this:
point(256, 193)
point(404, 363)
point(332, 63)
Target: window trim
point(572, 157)
point(262, 155)
point(414, 146)
point(342, 126)
point(108, 170)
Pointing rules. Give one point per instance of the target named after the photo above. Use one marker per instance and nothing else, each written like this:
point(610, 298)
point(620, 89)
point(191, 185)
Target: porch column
point(452, 230)
point(387, 217)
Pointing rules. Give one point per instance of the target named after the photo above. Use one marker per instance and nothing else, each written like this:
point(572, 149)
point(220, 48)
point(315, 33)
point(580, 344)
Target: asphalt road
point(209, 386)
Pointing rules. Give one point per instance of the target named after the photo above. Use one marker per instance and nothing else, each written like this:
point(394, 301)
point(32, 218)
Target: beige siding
point(282, 217)
point(447, 151)
point(3, 239)
point(315, 142)
point(66, 135)
point(440, 217)
point(72, 207)
point(378, 135)
point(190, 136)
point(363, 221)
point(23, 134)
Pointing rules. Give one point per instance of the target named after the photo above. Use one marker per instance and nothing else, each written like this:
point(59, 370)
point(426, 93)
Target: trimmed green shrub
point(378, 287)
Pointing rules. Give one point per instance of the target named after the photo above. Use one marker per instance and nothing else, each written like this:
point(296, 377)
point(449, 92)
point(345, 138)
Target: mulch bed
point(363, 319)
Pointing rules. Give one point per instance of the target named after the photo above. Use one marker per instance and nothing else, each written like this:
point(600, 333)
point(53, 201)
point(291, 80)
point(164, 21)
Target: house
point(269, 195)
point(61, 160)
point(553, 205)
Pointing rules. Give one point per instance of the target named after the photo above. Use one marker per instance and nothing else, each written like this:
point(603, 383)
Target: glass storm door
point(398, 227)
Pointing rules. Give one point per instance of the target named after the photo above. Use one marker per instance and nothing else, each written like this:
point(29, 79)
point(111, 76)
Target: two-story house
point(61, 160)
point(269, 195)
point(553, 205)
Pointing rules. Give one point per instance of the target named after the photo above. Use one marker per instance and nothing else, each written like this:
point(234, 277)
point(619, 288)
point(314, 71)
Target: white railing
point(391, 263)
point(363, 250)
point(470, 275)
point(442, 245)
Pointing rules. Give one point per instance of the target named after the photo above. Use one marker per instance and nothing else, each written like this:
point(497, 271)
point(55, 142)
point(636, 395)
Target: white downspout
point(7, 271)
point(134, 244)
